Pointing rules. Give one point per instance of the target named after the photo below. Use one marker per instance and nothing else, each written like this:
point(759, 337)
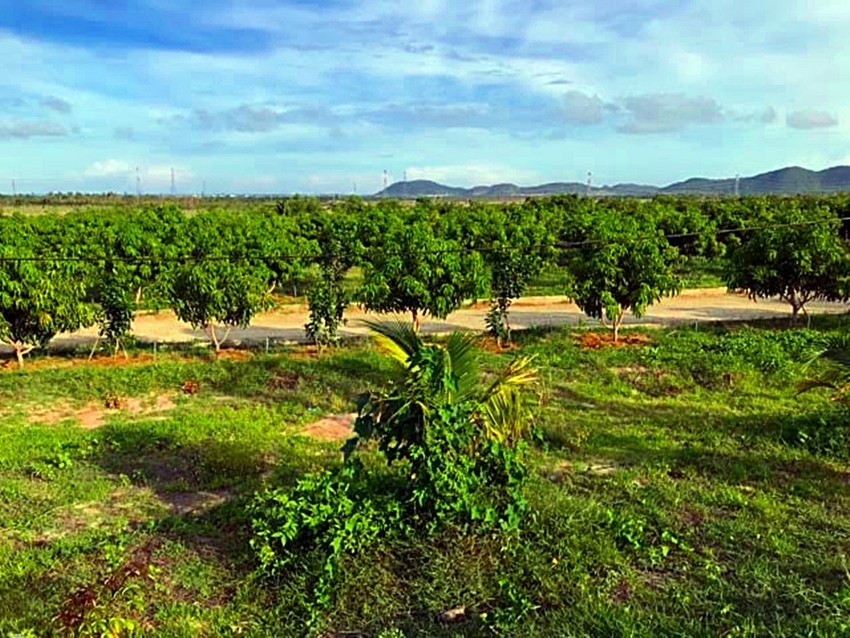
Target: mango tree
point(41, 293)
point(409, 268)
point(279, 239)
point(129, 251)
point(794, 254)
point(624, 263)
point(519, 242)
point(339, 249)
point(218, 284)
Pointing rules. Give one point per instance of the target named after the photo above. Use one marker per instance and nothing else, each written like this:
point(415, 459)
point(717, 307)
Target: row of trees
point(217, 269)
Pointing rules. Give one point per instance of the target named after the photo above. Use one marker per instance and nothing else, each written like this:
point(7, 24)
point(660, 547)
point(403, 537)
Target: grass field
point(681, 488)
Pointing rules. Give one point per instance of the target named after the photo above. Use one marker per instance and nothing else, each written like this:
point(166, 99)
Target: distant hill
point(785, 181)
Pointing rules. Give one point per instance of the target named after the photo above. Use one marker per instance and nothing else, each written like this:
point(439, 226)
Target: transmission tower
point(138, 183)
point(589, 183)
point(386, 179)
point(737, 185)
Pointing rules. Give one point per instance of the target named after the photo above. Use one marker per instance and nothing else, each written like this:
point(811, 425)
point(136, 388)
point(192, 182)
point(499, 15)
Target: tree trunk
point(504, 311)
point(20, 351)
point(795, 310)
point(616, 324)
point(213, 337)
point(94, 348)
point(417, 321)
point(796, 304)
point(139, 295)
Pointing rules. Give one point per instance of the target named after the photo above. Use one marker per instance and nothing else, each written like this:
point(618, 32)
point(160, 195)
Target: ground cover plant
point(676, 486)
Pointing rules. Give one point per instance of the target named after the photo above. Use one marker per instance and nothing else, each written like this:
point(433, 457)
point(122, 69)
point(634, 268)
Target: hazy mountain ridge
point(785, 181)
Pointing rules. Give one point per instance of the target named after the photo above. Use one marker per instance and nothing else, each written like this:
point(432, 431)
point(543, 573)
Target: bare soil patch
point(182, 503)
point(92, 415)
point(331, 428)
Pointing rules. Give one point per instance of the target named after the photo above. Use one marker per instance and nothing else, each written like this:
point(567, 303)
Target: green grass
point(680, 488)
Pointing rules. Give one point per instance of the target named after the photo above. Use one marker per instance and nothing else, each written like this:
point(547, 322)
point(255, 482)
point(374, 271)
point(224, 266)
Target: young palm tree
point(435, 378)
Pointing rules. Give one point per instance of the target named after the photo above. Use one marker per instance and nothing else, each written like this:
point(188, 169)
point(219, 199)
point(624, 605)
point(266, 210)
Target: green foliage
point(453, 452)
point(336, 513)
point(221, 281)
point(624, 264)
point(39, 296)
point(834, 356)
point(797, 256)
point(714, 362)
point(336, 233)
point(409, 268)
point(519, 242)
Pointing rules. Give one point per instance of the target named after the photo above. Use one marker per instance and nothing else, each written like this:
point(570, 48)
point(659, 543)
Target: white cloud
point(56, 104)
point(27, 130)
point(808, 119)
point(668, 112)
point(582, 109)
point(466, 175)
point(109, 168)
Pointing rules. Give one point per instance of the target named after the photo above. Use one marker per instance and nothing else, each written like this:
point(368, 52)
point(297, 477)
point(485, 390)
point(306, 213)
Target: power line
point(460, 250)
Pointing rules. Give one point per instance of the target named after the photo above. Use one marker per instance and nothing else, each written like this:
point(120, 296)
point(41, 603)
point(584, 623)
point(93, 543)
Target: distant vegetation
point(786, 181)
point(217, 267)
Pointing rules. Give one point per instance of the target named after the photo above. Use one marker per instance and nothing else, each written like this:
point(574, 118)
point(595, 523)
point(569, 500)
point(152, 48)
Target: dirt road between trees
point(286, 325)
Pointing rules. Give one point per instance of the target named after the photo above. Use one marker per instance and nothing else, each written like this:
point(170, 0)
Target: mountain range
point(791, 180)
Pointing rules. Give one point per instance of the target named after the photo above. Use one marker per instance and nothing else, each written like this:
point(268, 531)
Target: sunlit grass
point(679, 488)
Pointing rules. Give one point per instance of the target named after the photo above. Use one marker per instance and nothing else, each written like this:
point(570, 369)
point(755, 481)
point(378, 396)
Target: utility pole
point(14, 188)
point(589, 183)
point(386, 180)
point(172, 181)
point(404, 186)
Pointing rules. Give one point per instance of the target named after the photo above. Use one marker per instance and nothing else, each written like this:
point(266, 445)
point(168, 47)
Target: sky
point(323, 96)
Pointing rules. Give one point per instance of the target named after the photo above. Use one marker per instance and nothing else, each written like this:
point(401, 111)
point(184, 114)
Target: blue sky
point(316, 96)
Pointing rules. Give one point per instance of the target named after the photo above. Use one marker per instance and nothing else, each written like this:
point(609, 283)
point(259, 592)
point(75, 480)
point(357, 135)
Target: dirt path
point(287, 324)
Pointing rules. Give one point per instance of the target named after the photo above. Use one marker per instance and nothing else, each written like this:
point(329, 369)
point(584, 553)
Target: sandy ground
point(286, 325)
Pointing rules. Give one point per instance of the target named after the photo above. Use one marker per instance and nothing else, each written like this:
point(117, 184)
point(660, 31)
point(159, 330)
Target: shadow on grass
point(311, 379)
point(205, 486)
point(761, 450)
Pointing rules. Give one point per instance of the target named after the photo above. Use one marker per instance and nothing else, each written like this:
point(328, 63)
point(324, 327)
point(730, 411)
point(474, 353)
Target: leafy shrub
point(454, 454)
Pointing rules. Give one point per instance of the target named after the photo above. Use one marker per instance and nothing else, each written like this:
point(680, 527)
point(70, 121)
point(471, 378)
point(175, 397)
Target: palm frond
point(505, 405)
point(396, 339)
point(813, 384)
point(836, 356)
point(519, 373)
point(462, 352)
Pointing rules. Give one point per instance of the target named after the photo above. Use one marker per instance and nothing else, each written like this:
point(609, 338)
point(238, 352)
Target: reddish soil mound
point(596, 340)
